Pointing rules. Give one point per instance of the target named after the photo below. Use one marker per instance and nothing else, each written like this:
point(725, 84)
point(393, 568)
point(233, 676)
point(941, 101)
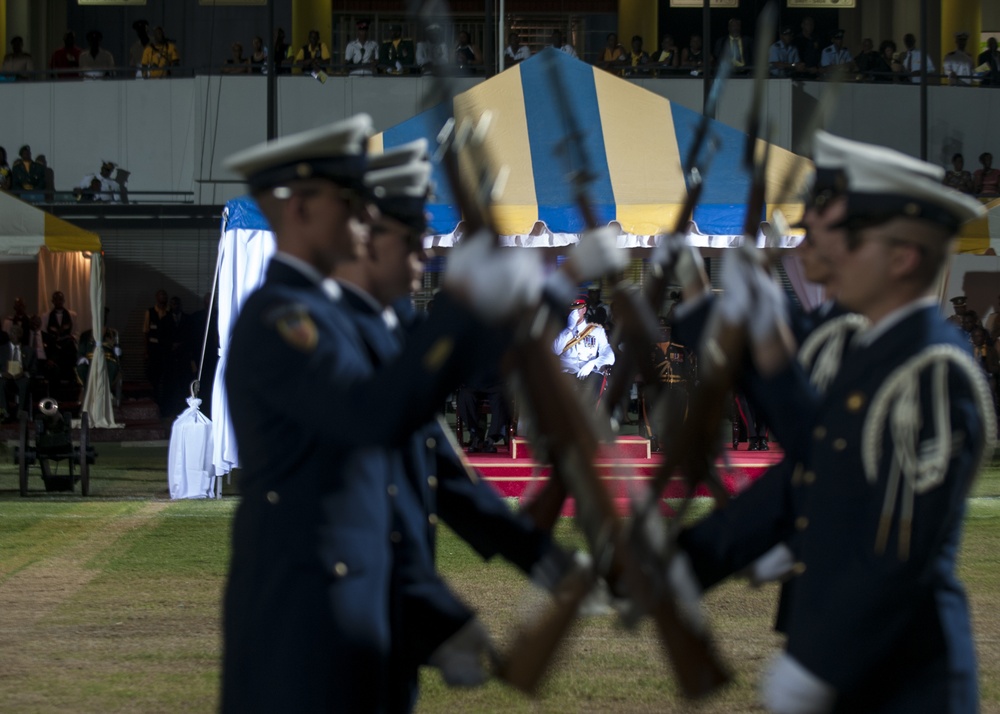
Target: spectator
point(110, 345)
point(433, 51)
point(157, 330)
point(515, 52)
point(888, 68)
point(237, 63)
point(960, 305)
point(314, 56)
point(50, 180)
point(667, 57)
point(361, 53)
point(105, 190)
point(958, 178)
point(835, 58)
point(867, 60)
point(613, 53)
point(985, 352)
point(913, 60)
point(59, 324)
point(735, 45)
point(637, 58)
point(5, 175)
point(66, 57)
point(96, 63)
point(159, 55)
point(991, 59)
point(970, 321)
point(466, 53)
point(14, 380)
point(17, 62)
point(19, 319)
point(957, 65)
point(992, 321)
point(396, 55)
point(693, 56)
point(560, 44)
point(783, 57)
point(986, 181)
point(810, 48)
point(258, 58)
point(27, 175)
point(138, 48)
point(281, 51)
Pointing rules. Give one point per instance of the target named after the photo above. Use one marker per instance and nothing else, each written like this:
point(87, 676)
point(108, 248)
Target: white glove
point(773, 566)
point(494, 282)
point(596, 254)
point(750, 296)
point(586, 369)
point(790, 688)
point(461, 657)
point(687, 591)
point(673, 252)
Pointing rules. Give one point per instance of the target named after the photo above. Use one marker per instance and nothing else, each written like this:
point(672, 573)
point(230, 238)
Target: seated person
point(584, 351)
point(486, 386)
point(314, 56)
point(396, 56)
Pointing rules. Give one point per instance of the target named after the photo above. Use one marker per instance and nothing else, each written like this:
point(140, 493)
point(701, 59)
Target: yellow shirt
point(163, 56)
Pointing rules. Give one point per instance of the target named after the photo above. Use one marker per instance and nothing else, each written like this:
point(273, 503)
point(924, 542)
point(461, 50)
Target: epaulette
point(921, 466)
point(823, 349)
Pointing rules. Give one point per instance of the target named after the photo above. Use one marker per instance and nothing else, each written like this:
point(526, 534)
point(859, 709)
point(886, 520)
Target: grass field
point(112, 605)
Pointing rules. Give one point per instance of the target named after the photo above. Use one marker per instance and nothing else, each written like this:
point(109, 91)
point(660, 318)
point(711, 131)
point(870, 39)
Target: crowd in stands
point(983, 182)
point(797, 53)
point(33, 180)
point(984, 337)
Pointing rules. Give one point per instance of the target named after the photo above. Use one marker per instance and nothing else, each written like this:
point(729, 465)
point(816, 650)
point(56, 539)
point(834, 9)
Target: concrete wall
point(174, 134)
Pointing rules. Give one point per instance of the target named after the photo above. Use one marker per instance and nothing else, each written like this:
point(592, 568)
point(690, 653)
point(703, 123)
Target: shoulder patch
point(295, 325)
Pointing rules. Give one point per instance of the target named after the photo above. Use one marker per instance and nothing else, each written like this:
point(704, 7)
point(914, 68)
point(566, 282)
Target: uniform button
point(839, 444)
point(432, 481)
point(855, 401)
point(432, 519)
point(272, 497)
point(431, 442)
point(392, 490)
point(801, 523)
point(819, 433)
point(798, 568)
point(340, 569)
point(396, 537)
point(809, 476)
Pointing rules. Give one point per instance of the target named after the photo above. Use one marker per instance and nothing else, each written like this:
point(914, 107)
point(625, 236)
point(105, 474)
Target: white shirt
point(357, 53)
point(912, 63)
point(568, 49)
point(428, 52)
point(108, 192)
point(98, 66)
point(523, 53)
point(958, 63)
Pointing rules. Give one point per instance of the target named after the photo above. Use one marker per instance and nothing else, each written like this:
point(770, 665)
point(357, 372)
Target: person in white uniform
point(584, 350)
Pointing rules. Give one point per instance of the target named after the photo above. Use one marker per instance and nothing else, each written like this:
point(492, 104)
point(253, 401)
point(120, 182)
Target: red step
point(624, 447)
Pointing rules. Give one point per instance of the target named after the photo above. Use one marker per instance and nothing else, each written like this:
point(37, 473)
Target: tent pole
point(272, 76)
point(706, 67)
point(501, 36)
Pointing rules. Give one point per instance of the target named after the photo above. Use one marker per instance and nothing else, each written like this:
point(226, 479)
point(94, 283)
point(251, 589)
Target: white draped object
point(245, 250)
point(190, 472)
point(97, 391)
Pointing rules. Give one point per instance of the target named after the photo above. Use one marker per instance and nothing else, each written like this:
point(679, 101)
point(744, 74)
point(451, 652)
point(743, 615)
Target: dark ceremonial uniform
point(306, 609)
point(396, 58)
point(429, 479)
point(884, 460)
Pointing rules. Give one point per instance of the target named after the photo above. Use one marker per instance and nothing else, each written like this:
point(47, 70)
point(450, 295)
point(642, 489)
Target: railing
point(51, 197)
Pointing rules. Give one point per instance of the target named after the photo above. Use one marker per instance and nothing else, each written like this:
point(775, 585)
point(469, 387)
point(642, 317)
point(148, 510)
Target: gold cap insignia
point(855, 400)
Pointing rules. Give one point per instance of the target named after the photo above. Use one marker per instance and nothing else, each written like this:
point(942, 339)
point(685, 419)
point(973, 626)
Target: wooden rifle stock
point(572, 448)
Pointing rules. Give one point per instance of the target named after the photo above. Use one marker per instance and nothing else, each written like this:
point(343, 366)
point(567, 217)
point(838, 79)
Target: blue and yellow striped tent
point(635, 143)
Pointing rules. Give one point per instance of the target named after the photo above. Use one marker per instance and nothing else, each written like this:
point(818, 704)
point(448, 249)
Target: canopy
point(983, 233)
point(245, 248)
point(67, 263)
point(634, 144)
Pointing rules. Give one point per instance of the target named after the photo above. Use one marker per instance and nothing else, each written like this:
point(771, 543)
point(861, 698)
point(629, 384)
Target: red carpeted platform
point(625, 467)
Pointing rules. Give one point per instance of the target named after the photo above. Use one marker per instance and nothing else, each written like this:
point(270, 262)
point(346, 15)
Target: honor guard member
point(306, 606)
point(430, 478)
point(877, 620)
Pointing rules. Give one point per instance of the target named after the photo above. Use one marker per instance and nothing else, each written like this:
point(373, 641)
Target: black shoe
point(764, 446)
point(754, 445)
point(489, 447)
point(475, 445)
